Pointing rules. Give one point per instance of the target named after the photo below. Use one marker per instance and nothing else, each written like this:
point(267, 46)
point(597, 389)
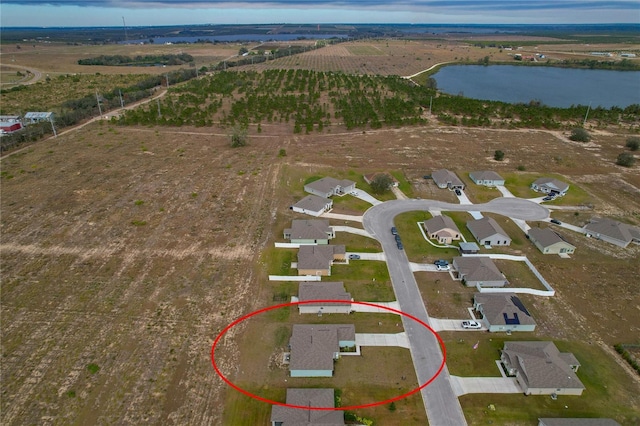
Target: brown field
point(130, 249)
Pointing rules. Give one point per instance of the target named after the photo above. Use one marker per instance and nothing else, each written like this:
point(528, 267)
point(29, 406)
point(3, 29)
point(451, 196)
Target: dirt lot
point(131, 248)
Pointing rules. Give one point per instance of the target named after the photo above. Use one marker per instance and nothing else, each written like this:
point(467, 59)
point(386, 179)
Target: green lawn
point(366, 280)
point(520, 185)
point(355, 242)
point(597, 368)
point(278, 260)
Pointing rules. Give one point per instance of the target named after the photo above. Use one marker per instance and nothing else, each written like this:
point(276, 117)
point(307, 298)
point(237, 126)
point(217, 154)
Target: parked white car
point(471, 325)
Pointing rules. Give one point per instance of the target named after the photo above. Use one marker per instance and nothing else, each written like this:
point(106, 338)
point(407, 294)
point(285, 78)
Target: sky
point(49, 13)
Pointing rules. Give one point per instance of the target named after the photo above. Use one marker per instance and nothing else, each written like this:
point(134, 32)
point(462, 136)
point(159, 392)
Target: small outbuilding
point(469, 248)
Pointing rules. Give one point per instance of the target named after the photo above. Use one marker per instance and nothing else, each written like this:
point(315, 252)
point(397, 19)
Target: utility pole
point(98, 101)
point(586, 115)
point(121, 101)
point(55, 134)
point(159, 113)
point(126, 38)
point(430, 104)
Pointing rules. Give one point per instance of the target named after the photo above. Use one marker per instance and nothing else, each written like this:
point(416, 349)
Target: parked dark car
point(394, 231)
point(556, 221)
point(400, 246)
point(458, 192)
point(354, 256)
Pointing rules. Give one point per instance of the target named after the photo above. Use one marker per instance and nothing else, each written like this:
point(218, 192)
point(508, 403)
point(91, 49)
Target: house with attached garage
point(317, 260)
point(541, 369)
point(311, 398)
point(328, 186)
point(442, 228)
point(447, 179)
point(480, 271)
point(550, 186)
point(503, 312)
point(314, 231)
point(309, 291)
point(486, 178)
point(488, 233)
point(550, 242)
point(315, 347)
point(612, 231)
point(313, 205)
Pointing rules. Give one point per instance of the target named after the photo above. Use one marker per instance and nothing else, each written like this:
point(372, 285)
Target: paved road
point(440, 399)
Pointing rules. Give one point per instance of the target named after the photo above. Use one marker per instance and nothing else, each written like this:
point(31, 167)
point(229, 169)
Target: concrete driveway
point(380, 339)
point(465, 385)
point(356, 307)
point(367, 256)
point(351, 230)
point(365, 196)
point(447, 324)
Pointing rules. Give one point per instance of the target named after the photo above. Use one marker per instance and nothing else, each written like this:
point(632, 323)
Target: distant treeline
point(76, 110)
point(120, 60)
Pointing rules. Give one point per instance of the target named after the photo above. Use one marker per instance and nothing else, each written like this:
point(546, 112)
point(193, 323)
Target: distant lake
point(237, 37)
point(556, 87)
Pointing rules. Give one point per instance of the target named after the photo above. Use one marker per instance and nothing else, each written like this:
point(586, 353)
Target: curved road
point(440, 400)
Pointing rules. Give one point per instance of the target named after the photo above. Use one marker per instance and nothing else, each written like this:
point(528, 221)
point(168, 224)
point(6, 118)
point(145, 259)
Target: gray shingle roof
point(313, 345)
point(613, 229)
point(551, 183)
point(478, 269)
point(314, 229)
point(541, 366)
point(313, 203)
point(444, 177)
point(328, 184)
point(320, 398)
point(323, 291)
point(318, 257)
point(503, 309)
point(485, 175)
point(438, 223)
point(485, 228)
point(546, 237)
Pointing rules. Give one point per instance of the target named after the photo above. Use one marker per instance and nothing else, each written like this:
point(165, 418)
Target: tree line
point(146, 60)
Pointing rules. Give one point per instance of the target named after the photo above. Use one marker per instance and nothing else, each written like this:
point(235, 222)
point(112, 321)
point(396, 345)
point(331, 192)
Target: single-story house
point(575, 421)
point(371, 176)
point(612, 231)
point(37, 116)
point(308, 291)
point(550, 186)
point(10, 123)
point(317, 260)
point(469, 248)
point(550, 242)
point(313, 205)
point(488, 233)
point(486, 178)
point(328, 186)
point(314, 348)
point(447, 179)
point(313, 398)
point(541, 369)
point(480, 271)
point(314, 231)
point(503, 312)
point(442, 228)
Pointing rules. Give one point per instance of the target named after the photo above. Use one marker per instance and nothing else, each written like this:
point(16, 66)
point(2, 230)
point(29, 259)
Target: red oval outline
point(351, 407)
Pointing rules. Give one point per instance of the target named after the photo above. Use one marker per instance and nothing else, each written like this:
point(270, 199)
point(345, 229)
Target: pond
point(556, 87)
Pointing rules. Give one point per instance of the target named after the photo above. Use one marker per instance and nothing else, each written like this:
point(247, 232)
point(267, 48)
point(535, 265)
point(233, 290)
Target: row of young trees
point(311, 100)
point(119, 60)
